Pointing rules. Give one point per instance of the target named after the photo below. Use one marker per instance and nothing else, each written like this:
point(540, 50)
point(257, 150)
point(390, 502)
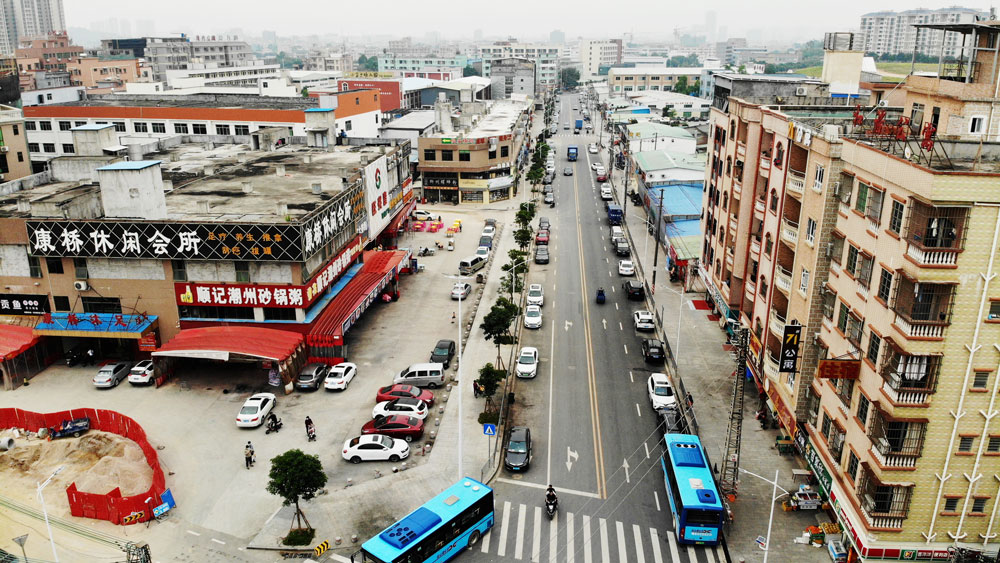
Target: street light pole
point(774, 497)
point(461, 410)
point(656, 247)
point(41, 499)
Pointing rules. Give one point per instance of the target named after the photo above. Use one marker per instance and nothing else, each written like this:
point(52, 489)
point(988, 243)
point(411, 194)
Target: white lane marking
point(638, 411)
point(612, 289)
point(656, 497)
point(587, 555)
point(621, 541)
point(640, 557)
point(536, 536)
point(570, 554)
point(605, 249)
point(609, 274)
point(553, 544)
point(720, 553)
point(626, 348)
point(543, 487)
point(519, 538)
point(193, 533)
point(607, 260)
point(620, 327)
point(616, 305)
point(220, 542)
point(605, 552)
point(672, 543)
point(502, 548)
point(632, 379)
point(646, 446)
point(654, 537)
point(548, 453)
point(691, 553)
point(486, 541)
point(710, 556)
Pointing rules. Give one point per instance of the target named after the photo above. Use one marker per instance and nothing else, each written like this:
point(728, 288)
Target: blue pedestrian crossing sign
point(490, 429)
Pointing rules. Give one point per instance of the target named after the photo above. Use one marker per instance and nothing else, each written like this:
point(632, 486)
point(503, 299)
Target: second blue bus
point(437, 531)
point(694, 498)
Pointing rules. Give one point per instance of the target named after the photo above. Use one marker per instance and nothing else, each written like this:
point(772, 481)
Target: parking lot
point(191, 419)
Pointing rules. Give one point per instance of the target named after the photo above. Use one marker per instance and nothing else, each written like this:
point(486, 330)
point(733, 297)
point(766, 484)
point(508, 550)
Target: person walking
point(310, 429)
point(475, 389)
point(248, 455)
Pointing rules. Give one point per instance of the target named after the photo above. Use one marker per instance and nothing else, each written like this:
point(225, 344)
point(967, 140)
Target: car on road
point(518, 454)
point(549, 198)
point(490, 222)
point(626, 268)
point(536, 295)
point(543, 223)
point(542, 237)
point(565, 126)
point(547, 189)
point(622, 249)
point(669, 420)
point(311, 376)
point(595, 165)
point(527, 362)
point(568, 171)
point(652, 350)
point(403, 405)
point(532, 316)
point(634, 290)
point(421, 215)
point(340, 376)
point(592, 149)
point(483, 251)
point(602, 177)
point(254, 410)
point(110, 375)
point(141, 373)
point(541, 255)
point(396, 426)
point(375, 447)
point(643, 320)
point(461, 290)
point(443, 352)
point(660, 391)
point(548, 178)
point(606, 194)
point(550, 168)
point(599, 168)
point(489, 231)
point(390, 392)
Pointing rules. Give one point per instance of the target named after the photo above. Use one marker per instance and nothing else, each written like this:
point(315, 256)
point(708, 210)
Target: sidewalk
point(706, 370)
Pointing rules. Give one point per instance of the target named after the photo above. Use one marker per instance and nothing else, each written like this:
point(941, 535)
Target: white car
point(626, 268)
point(527, 362)
point(550, 167)
point(606, 193)
point(643, 320)
point(375, 447)
point(483, 251)
point(340, 376)
point(536, 296)
point(142, 373)
point(533, 316)
point(595, 165)
point(600, 169)
point(489, 231)
point(421, 215)
point(255, 409)
point(592, 149)
point(461, 291)
point(661, 393)
point(403, 405)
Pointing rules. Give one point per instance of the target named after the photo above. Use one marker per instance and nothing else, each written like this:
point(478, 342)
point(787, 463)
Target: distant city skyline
point(520, 18)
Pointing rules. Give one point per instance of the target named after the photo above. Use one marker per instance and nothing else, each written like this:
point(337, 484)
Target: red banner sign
point(149, 342)
point(839, 369)
point(265, 295)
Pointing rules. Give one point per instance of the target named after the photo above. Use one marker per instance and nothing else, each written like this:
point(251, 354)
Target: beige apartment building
point(878, 236)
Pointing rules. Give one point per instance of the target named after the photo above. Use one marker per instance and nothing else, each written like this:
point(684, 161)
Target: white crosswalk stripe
point(519, 533)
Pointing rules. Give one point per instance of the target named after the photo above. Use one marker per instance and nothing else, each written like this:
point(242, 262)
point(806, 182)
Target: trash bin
point(510, 398)
point(479, 278)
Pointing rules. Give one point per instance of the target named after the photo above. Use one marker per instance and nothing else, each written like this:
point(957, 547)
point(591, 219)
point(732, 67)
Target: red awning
point(14, 340)
point(378, 269)
point(393, 227)
point(218, 342)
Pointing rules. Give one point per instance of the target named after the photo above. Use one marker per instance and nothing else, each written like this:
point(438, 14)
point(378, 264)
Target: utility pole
point(656, 247)
point(628, 168)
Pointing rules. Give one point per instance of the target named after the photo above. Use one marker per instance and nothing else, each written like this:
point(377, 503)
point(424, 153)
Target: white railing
point(765, 163)
point(872, 224)
point(790, 231)
point(862, 288)
point(882, 521)
point(751, 289)
point(737, 188)
point(843, 207)
point(741, 149)
point(770, 366)
point(725, 292)
point(733, 223)
point(783, 280)
point(835, 267)
point(906, 396)
point(755, 246)
point(729, 260)
point(817, 186)
point(777, 324)
point(932, 256)
point(828, 323)
point(759, 206)
point(796, 182)
point(890, 461)
point(919, 330)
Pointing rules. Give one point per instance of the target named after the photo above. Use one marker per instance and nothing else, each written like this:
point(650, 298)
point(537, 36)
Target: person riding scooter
point(550, 496)
point(310, 429)
point(273, 423)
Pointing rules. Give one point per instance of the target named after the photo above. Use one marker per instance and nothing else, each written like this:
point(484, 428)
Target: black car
point(312, 376)
point(543, 223)
point(622, 249)
point(490, 222)
point(542, 254)
point(652, 350)
point(634, 290)
point(77, 355)
point(518, 455)
point(442, 353)
point(669, 420)
point(568, 171)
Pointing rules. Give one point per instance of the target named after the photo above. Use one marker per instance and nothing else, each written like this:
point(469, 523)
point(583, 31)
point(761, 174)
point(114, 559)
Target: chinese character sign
point(838, 369)
point(23, 304)
point(189, 241)
point(789, 359)
point(329, 221)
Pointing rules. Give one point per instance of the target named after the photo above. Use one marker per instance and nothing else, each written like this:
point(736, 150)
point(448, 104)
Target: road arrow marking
point(568, 324)
point(571, 456)
point(625, 465)
point(605, 323)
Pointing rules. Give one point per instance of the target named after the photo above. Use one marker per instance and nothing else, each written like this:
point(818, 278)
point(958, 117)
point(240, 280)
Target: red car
point(602, 177)
point(542, 237)
point(395, 426)
point(391, 392)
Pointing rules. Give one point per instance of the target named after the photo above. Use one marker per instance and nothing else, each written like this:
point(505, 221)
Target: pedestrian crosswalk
point(523, 533)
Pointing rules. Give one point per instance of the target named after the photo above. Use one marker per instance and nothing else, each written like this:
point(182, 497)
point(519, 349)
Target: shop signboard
point(839, 369)
point(790, 349)
point(332, 220)
point(149, 342)
point(815, 462)
point(378, 192)
point(23, 304)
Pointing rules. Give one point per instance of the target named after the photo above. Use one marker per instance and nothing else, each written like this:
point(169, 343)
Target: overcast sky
point(772, 20)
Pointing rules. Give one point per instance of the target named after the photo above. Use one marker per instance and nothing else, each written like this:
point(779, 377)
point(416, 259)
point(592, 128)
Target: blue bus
point(437, 531)
point(694, 498)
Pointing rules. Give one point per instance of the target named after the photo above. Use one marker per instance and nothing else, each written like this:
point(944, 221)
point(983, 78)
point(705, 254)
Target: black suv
point(652, 350)
point(443, 352)
point(621, 248)
point(542, 254)
point(518, 455)
point(634, 290)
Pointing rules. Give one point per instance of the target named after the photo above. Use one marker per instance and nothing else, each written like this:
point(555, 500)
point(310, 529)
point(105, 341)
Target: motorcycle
point(550, 508)
point(424, 251)
point(273, 425)
point(311, 433)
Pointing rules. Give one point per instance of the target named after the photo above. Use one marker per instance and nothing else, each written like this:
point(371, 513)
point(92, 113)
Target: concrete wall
point(14, 260)
point(263, 272)
point(133, 193)
point(25, 183)
point(120, 269)
point(198, 271)
point(77, 168)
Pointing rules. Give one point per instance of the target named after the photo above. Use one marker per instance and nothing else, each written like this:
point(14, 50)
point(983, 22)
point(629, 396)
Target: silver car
point(110, 375)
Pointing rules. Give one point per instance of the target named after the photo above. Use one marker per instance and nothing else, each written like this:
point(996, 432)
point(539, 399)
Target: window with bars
point(852, 466)
point(878, 499)
point(836, 248)
point(936, 227)
point(873, 209)
point(979, 505)
point(951, 504)
point(855, 330)
point(810, 230)
point(885, 285)
point(845, 390)
point(993, 445)
point(863, 405)
point(896, 437)
point(965, 443)
point(804, 280)
point(829, 303)
point(845, 313)
point(874, 345)
point(896, 216)
point(922, 302)
point(861, 202)
point(980, 379)
point(905, 372)
point(852, 259)
point(864, 271)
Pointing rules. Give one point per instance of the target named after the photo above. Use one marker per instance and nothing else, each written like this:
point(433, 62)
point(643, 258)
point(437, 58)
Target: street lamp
point(774, 497)
point(458, 378)
point(680, 311)
point(19, 540)
point(45, 513)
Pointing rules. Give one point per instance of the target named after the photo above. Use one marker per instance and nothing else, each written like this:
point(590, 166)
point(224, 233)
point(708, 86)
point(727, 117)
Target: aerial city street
point(676, 283)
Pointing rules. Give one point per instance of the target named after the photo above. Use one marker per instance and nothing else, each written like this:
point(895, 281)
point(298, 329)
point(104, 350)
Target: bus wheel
point(474, 538)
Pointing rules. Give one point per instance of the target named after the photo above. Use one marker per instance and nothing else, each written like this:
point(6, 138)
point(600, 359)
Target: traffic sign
point(490, 429)
point(19, 540)
point(761, 542)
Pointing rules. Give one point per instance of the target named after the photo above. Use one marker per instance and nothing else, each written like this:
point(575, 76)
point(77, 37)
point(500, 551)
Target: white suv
point(536, 296)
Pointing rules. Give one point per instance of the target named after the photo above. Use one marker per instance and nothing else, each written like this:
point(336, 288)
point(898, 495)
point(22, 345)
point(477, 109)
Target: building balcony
point(770, 365)
point(827, 323)
point(796, 182)
point(755, 246)
point(932, 256)
point(741, 149)
point(861, 287)
point(751, 290)
point(729, 258)
point(835, 267)
point(765, 164)
point(737, 188)
point(919, 329)
point(783, 280)
point(843, 208)
point(734, 222)
point(724, 289)
point(790, 232)
point(777, 325)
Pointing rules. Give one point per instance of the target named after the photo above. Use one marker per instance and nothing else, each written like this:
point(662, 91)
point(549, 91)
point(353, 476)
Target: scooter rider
point(550, 496)
point(310, 429)
point(272, 421)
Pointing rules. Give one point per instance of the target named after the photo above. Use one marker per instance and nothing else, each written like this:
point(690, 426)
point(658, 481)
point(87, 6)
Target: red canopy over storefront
point(218, 342)
point(15, 340)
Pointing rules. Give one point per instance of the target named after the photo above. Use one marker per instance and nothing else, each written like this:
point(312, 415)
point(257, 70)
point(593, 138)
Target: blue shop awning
point(94, 325)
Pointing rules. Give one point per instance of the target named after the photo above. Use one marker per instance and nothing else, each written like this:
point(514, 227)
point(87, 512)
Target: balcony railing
point(737, 188)
point(932, 256)
point(741, 149)
point(921, 329)
point(777, 324)
point(765, 164)
point(790, 231)
point(796, 182)
point(751, 290)
point(835, 267)
point(759, 206)
point(872, 224)
point(755, 246)
point(734, 222)
point(783, 280)
point(890, 461)
point(843, 207)
point(725, 292)
point(828, 323)
point(906, 397)
point(862, 288)
point(770, 365)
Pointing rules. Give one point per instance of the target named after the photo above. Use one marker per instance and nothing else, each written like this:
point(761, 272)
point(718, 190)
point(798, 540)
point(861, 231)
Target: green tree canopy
point(569, 78)
point(296, 475)
point(470, 70)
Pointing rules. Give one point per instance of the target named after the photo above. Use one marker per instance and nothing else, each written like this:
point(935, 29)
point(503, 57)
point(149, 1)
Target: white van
point(617, 232)
point(422, 375)
point(606, 193)
point(471, 265)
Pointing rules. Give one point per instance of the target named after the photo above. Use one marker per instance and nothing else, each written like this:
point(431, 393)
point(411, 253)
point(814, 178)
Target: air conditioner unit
point(4, 149)
point(80, 285)
point(895, 381)
point(836, 188)
point(867, 502)
point(829, 249)
point(883, 446)
point(800, 91)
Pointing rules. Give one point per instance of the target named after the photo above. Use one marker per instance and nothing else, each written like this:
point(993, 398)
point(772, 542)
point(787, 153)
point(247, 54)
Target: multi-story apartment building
point(879, 239)
point(391, 62)
point(336, 62)
point(93, 72)
point(51, 52)
point(650, 78)
point(180, 52)
point(889, 32)
point(512, 76)
point(15, 162)
point(545, 57)
point(28, 18)
point(600, 53)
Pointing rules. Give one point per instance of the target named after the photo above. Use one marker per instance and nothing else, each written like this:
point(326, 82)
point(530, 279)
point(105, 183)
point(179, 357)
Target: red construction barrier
point(111, 506)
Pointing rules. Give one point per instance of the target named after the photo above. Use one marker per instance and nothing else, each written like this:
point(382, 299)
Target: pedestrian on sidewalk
point(475, 389)
point(248, 455)
point(453, 317)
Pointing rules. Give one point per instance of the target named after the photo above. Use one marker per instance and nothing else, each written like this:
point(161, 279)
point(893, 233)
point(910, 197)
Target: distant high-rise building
point(545, 57)
point(29, 18)
point(557, 36)
point(600, 53)
point(894, 32)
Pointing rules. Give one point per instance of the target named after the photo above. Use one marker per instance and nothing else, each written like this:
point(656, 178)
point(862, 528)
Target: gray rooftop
point(195, 101)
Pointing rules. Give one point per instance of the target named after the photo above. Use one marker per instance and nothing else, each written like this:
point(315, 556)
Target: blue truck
point(579, 125)
point(614, 214)
point(572, 152)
